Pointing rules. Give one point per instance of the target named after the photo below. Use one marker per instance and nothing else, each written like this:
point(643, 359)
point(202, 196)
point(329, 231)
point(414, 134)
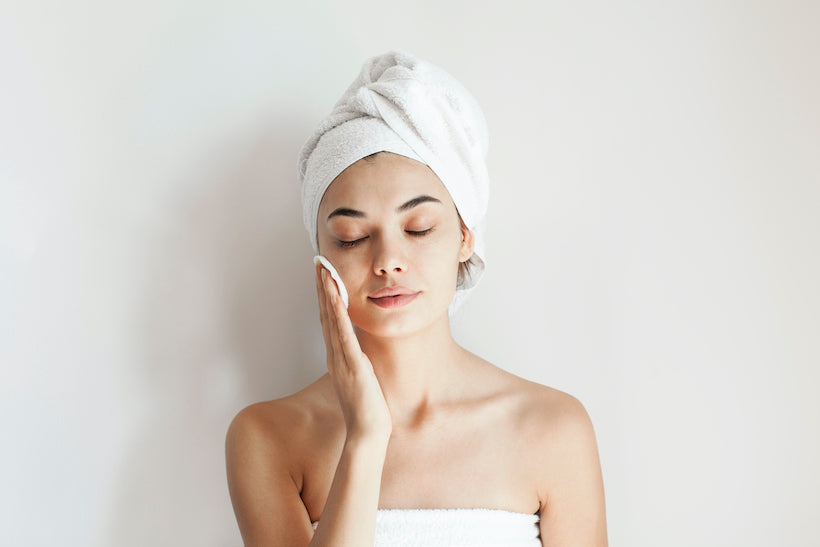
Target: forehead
point(386, 181)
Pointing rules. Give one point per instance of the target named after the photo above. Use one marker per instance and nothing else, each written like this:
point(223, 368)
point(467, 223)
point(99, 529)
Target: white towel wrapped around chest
point(438, 527)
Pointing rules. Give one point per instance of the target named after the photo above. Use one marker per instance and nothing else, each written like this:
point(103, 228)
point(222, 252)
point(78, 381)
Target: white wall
point(653, 247)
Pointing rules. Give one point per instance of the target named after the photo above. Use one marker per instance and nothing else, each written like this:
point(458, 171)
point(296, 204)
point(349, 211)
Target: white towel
point(438, 527)
point(402, 104)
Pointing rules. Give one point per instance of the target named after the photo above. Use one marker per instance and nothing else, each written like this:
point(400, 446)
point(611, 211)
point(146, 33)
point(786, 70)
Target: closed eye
point(419, 232)
point(351, 243)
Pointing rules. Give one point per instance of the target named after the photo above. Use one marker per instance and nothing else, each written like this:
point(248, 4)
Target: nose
point(388, 257)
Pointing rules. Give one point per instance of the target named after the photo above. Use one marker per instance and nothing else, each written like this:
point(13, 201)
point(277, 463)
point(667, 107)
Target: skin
point(405, 417)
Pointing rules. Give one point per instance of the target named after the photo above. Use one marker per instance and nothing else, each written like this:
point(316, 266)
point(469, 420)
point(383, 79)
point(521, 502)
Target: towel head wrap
point(405, 105)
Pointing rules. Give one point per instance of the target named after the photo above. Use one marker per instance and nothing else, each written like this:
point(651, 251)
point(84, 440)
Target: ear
point(467, 244)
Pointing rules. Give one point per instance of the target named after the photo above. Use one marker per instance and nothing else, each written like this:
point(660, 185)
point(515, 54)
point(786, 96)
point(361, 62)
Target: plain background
point(652, 247)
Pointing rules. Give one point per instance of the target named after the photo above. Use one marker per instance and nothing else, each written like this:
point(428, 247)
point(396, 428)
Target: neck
point(416, 373)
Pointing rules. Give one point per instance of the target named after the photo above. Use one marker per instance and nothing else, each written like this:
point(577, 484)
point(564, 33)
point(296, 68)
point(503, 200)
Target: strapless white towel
point(473, 527)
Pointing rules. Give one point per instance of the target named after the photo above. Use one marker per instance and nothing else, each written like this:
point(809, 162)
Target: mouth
point(393, 297)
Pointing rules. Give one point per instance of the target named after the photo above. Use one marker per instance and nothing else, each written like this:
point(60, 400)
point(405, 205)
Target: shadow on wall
point(228, 318)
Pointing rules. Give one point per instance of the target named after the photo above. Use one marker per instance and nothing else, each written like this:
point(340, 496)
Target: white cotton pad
point(334, 274)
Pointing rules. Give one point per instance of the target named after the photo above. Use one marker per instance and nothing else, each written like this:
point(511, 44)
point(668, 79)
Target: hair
point(372, 157)
point(464, 268)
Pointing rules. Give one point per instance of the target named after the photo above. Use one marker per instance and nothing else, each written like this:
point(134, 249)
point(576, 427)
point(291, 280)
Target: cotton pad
point(334, 274)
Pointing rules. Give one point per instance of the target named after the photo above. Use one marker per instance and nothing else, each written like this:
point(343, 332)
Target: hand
point(363, 404)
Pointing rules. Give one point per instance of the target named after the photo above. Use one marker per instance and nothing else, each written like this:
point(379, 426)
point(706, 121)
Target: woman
point(409, 438)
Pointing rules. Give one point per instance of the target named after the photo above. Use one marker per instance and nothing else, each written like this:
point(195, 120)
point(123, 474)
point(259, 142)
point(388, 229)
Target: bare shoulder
point(259, 442)
point(263, 423)
point(264, 449)
point(278, 422)
point(564, 464)
point(548, 411)
point(556, 412)
point(558, 427)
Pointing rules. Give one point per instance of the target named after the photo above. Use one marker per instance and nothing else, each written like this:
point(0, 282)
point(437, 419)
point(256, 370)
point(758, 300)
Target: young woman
point(409, 439)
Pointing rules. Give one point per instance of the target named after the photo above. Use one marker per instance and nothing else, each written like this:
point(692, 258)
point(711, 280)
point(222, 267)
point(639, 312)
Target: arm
point(265, 497)
point(266, 500)
point(573, 508)
point(349, 516)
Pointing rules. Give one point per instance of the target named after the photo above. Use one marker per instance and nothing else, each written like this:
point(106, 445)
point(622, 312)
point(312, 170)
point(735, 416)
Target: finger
point(320, 290)
point(320, 287)
point(332, 287)
point(348, 342)
point(324, 311)
point(320, 296)
point(335, 341)
point(347, 336)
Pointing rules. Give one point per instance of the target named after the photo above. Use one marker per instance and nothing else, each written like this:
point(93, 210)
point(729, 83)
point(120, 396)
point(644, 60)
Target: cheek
point(440, 252)
point(352, 269)
point(341, 261)
point(326, 246)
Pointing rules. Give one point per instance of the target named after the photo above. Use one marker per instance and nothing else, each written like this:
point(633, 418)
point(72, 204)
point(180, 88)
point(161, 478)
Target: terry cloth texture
point(474, 527)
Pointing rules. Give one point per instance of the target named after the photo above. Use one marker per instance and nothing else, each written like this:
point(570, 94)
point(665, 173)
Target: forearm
point(349, 516)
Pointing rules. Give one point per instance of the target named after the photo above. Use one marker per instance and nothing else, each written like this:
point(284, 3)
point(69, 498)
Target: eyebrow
point(348, 212)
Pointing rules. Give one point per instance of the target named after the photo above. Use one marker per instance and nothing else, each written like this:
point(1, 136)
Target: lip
point(393, 297)
point(392, 291)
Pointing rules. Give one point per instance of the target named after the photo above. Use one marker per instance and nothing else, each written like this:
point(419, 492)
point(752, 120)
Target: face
point(391, 230)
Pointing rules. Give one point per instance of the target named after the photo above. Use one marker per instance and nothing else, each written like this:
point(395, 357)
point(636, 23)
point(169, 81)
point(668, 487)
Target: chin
point(391, 327)
point(391, 323)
